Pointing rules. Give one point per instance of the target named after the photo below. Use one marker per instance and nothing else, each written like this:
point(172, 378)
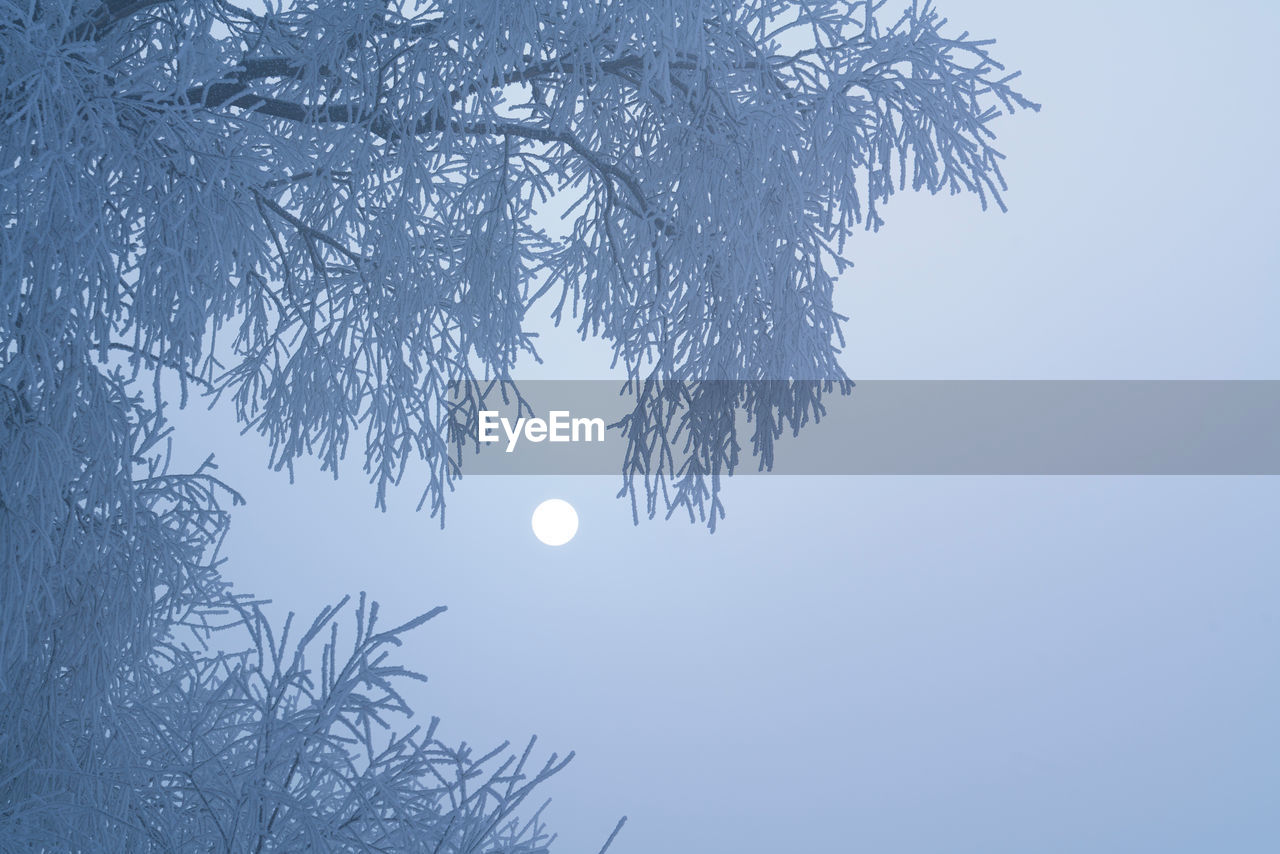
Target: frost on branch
point(331, 211)
point(328, 212)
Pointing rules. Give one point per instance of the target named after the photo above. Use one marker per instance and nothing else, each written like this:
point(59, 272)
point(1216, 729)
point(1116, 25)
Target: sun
point(555, 522)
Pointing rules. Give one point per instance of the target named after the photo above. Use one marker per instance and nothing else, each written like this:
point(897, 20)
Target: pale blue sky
point(927, 664)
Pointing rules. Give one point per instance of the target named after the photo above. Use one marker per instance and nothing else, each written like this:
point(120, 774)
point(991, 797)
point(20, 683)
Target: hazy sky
point(909, 664)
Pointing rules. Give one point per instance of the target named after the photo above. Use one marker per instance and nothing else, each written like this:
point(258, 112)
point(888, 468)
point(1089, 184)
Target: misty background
point(901, 664)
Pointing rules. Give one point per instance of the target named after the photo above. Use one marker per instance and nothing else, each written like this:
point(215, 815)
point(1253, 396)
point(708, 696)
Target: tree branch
point(109, 14)
point(231, 94)
point(158, 362)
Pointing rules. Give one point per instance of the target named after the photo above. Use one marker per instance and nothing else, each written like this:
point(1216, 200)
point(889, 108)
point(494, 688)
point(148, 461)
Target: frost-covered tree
point(334, 214)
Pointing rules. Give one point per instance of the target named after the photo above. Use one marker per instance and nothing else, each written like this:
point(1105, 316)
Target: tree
point(334, 213)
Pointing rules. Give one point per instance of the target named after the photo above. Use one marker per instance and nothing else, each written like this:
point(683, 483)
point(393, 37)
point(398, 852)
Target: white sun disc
point(555, 522)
